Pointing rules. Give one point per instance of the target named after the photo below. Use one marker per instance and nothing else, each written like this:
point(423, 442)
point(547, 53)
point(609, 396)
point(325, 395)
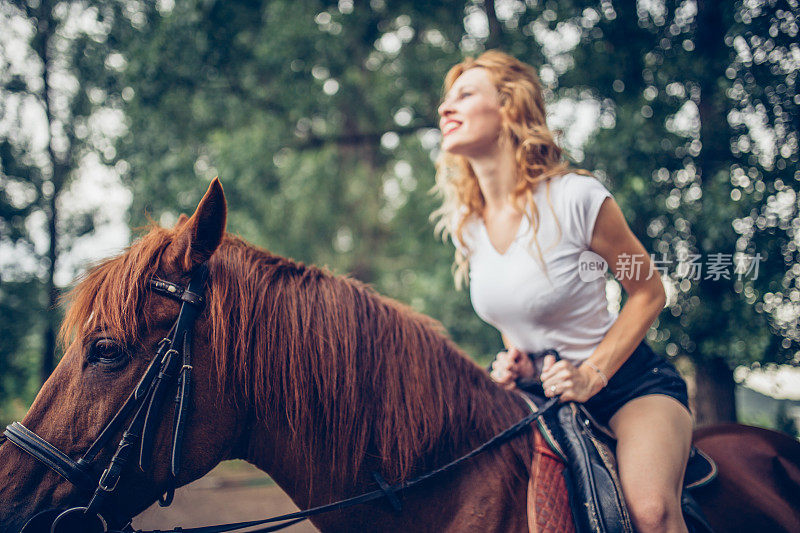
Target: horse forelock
point(108, 296)
point(355, 374)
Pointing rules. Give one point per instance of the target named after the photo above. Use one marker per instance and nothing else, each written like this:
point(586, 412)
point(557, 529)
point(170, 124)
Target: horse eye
point(106, 352)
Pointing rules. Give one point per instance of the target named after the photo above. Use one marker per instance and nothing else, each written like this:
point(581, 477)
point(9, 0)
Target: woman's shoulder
point(580, 199)
point(575, 182)
point(571, 190)
point(469, 230)
point(469, 218)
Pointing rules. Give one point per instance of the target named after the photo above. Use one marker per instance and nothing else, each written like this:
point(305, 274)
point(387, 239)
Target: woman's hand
point(509, 366)
point(574, 384)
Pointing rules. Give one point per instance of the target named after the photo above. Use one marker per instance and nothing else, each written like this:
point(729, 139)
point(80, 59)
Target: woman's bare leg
point(654, 435)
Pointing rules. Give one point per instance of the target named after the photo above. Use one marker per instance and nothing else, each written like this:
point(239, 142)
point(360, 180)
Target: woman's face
point(470, 118)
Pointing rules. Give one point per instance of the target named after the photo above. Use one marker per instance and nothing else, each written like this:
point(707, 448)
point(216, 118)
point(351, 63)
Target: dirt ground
point(233, 492)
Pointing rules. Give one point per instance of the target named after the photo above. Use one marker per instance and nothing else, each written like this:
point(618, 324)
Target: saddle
point(587, 448)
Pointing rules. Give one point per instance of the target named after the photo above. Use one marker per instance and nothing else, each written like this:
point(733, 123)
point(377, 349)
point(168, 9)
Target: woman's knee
point(651, 511)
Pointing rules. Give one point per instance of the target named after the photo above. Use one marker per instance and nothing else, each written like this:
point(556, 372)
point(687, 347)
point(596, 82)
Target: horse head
point(113, 330)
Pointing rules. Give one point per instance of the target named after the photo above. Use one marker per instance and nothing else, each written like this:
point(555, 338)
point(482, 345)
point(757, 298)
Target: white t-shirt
point(511, 292)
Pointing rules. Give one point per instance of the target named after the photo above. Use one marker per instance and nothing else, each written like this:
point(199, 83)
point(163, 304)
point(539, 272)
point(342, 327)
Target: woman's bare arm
point(614, 241)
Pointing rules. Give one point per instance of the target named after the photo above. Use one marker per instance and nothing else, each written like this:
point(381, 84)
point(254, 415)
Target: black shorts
point(644, 372)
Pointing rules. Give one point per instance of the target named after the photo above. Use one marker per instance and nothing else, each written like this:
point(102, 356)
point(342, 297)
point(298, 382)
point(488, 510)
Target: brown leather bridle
point(172, 365)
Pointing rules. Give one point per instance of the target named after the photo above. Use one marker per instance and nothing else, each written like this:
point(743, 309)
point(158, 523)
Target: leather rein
point(172, 366)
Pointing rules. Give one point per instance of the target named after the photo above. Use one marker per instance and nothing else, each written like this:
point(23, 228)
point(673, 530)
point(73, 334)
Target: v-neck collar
point(524, 224)
point(520, 227)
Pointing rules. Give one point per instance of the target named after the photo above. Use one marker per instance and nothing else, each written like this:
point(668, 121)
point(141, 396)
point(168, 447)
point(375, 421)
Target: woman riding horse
point(321, 383)
point(523, 223)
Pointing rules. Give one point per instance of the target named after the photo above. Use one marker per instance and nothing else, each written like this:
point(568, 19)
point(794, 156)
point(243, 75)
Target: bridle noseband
point(172, 365)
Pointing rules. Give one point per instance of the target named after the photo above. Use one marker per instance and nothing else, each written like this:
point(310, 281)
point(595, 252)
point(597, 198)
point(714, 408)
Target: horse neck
point(482, 494)
point(370, 372)
point(476, 496)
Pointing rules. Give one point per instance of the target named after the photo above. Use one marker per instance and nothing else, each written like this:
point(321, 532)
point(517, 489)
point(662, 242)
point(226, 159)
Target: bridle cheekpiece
point(171, 366)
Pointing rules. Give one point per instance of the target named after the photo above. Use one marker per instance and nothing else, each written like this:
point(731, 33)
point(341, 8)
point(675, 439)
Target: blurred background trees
point(319, 117)
point(701, 152)
point(56, 119)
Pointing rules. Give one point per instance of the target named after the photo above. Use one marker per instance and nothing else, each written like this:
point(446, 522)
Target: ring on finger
point(552, 388)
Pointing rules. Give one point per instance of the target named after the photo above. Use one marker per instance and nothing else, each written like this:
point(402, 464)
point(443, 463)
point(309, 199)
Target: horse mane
point(106, 294)
point(356, 375)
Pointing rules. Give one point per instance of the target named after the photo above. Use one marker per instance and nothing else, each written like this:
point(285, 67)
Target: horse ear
point(182, 218)
point(199, 236)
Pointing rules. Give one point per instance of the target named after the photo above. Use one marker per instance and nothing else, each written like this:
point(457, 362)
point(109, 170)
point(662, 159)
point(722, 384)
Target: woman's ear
point(198, 236)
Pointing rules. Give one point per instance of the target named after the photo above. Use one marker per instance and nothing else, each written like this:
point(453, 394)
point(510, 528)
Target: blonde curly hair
point(523, 124)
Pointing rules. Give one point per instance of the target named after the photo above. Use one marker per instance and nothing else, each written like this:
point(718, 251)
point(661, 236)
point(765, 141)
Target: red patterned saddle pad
point(548, 502)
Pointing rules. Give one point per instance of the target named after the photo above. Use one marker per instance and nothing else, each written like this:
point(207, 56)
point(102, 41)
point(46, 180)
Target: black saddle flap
point(700, 470)
point(595, 492)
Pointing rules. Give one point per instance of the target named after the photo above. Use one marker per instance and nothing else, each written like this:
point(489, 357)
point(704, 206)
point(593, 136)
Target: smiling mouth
point(450, 127)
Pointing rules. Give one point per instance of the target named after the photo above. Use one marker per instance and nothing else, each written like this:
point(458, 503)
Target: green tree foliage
point(699, 144)
point(53, 80)
point(319, 118)
point(18, 347)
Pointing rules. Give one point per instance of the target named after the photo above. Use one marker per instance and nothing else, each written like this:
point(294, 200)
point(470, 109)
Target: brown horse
point(319, 381)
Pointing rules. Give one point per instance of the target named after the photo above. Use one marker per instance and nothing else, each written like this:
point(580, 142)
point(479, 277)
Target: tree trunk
point(714, 394)
point(51, 316)
point(494, 40)
point(45, 29)
point(714, 400)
